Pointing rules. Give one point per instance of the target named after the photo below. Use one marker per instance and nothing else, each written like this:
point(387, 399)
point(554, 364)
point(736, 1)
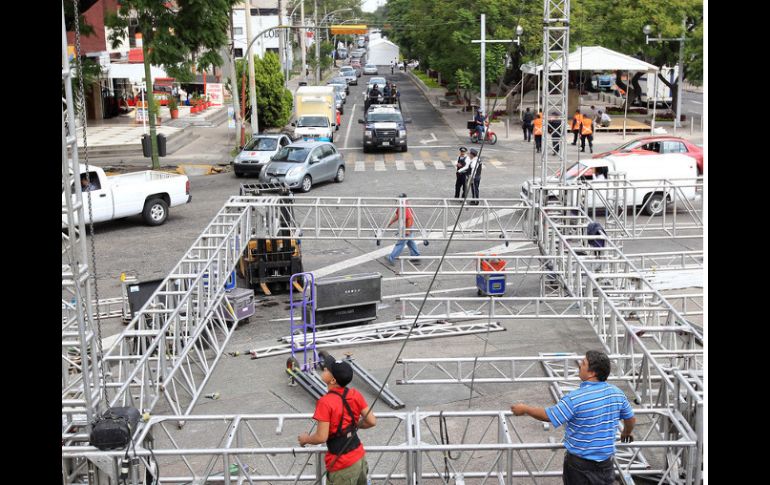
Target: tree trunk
point(673, 87)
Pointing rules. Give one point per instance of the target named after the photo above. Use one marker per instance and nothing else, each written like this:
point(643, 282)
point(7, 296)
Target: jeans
point(538, 142)
point(475, 187)
point(574, 140)
point(527, 129)
point(480, 132)
point(400, 247)
point(578, 471)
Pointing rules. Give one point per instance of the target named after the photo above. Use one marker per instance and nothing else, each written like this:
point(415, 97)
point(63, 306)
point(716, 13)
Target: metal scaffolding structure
point(81, 382)
point(167, 353)
point(556, 16)
point(366, 218)
point(404, 448)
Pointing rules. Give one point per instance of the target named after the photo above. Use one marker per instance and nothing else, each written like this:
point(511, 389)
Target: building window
point(237, 30)
point(238, 52)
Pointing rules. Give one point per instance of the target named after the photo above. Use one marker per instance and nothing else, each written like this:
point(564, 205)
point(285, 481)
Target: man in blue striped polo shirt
point(591, 413)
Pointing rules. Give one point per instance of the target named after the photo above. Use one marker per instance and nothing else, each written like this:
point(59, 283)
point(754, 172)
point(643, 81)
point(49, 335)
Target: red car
point(659, 144)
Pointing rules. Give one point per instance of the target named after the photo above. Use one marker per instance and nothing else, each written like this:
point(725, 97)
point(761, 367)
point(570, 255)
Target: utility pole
point(281, 44)
point(680, 83)
point(484, 43)
point(302, 39)
point(252, 84)
point(234, 79)
point(317, 40)
point(150, 107)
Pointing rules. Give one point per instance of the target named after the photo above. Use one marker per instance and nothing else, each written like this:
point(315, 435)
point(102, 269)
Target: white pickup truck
point(148, 193)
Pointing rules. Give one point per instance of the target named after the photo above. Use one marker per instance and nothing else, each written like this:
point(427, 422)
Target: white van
point(644, 175)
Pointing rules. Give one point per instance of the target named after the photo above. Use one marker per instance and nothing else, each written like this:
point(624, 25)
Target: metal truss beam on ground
point(173, 343)
point(626, 312)
point(383, 332)
point(494, 307)
point(404, 447)
point(364, 218)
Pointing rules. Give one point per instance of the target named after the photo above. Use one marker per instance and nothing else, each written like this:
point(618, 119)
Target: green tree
point(274, 102)
point(326, 57)
point(177, 35)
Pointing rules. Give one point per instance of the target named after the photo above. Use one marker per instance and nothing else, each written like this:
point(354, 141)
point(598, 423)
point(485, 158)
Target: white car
point(257, 152)
point(370, 69)
point(148, 193)
point(349, 74)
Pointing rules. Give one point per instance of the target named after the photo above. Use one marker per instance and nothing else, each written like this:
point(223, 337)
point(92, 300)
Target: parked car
point(650, 145)
point(148, 193)
point(302, 164)
point(257, 152)
point(370, 69)
point(341, 82)
point(643, 173)
point(349, 74)
point(356, 64)
point(338, 101)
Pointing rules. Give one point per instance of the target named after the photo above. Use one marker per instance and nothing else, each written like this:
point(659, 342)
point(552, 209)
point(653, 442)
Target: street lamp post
point(647, 31)
point(318, 39)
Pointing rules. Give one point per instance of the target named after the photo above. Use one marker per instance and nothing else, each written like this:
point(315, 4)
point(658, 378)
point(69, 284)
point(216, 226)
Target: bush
point(172, 103)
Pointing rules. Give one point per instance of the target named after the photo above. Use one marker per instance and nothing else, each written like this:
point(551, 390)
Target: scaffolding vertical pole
point(555, 81)
point(80, 383)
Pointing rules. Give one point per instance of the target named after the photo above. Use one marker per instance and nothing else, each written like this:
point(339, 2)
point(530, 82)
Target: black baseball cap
point(341, 370)
point(474, 151)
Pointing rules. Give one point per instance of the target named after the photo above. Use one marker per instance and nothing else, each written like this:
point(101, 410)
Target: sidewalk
point(456, 119)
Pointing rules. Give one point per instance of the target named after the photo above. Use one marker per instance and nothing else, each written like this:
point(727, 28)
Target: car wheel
point(331, 138)
point(474, 139)
point(340, 174)
point(403, 148)
point(655, 205)
point(155, 212)
point(366, 149)
point(238, 174)
point(307, 183)
point(493, 138)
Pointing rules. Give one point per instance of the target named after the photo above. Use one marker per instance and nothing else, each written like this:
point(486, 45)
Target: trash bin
point(147, 146)
point(161, 145)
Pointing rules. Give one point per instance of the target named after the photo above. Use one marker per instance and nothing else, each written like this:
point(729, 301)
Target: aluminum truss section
point(81, 383)
point(170, 348)
point(559, 368)
point(610, 203)
point(495, 308)
point(403, 448)
point(382, 333)
point(556, 14)
point(667, 261)
point(536, 265)
point(367, 218)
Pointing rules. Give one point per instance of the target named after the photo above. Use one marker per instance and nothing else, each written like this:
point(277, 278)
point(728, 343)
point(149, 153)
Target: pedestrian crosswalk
point(404, 163)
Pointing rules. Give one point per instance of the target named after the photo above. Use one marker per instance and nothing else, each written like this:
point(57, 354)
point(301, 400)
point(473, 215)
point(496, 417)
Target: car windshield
point(313, 121)
point(578, 169)
point(347, 70)
point(338, 80)
point(395, 117)
point(629, 146)
point(262, 144)
point(371, 66)
point(291, 154)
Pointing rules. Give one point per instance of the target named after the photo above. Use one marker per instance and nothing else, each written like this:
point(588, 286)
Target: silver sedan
point(302, 164)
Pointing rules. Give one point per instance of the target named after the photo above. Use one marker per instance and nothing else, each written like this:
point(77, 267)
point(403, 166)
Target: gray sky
point(371, 5)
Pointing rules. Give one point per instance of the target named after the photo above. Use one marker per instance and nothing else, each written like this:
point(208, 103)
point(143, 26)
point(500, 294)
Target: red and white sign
point(215, 93)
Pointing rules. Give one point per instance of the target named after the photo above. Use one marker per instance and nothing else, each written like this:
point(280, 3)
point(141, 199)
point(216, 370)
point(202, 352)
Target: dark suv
point(384, 127)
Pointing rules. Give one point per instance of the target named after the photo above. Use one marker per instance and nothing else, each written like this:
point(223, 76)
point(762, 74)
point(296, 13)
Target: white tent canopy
point(133, 72)
point(382, 52)
point(595, 58)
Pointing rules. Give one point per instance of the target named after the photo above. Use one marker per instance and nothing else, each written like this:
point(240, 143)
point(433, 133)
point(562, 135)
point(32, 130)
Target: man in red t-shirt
point(339, 414)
